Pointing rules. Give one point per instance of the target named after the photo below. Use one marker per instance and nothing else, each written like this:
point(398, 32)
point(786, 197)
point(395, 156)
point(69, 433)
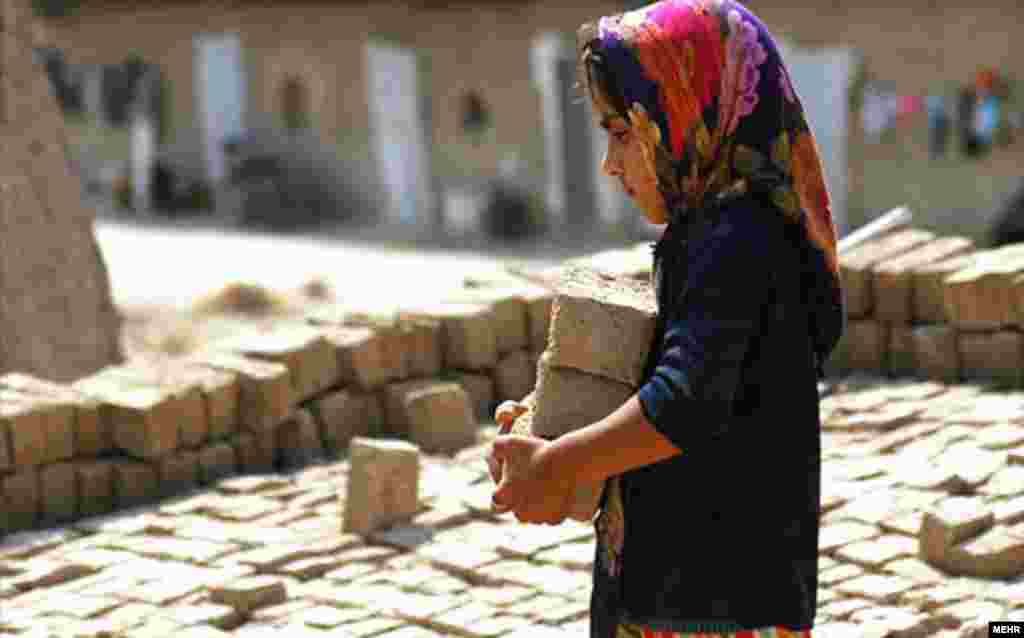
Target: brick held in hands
point(441, 418)
point(265, 392)
point(602, 325)
point(936, 352)
point(383, 484)
point(992, 356)
point(866, 345)
point(587, 497)
point(515, 376)
point(509, 309)
point(310, 358)
point(855, 266)
point(928, 296)
point(892, 279)
point(538, 311)
point(468, 332)
point(567, 399)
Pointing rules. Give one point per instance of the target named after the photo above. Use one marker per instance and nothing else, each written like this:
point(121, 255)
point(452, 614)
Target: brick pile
point(265, 399)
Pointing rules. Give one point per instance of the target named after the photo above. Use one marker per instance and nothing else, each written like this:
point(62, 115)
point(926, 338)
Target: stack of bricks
point(601, 331)
point(268, 399)
point(934, 308)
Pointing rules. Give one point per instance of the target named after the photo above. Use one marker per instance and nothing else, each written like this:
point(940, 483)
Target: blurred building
point(439, 97)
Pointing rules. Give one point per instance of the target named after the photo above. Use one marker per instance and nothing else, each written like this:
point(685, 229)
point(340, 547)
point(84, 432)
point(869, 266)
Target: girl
point(708, 522)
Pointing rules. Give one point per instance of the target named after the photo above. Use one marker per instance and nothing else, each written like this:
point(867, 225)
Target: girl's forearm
point(622, 441)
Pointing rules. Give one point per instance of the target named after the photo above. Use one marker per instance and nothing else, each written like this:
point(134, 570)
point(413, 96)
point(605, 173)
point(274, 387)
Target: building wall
point(920, 46)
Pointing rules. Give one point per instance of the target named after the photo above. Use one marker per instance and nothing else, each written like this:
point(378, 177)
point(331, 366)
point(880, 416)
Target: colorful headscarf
point(708, 94)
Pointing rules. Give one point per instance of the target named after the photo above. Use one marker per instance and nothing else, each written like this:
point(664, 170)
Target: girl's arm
point(622, 441)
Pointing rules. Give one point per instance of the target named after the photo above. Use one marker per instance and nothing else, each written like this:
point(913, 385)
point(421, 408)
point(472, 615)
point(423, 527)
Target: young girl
point(709, 518)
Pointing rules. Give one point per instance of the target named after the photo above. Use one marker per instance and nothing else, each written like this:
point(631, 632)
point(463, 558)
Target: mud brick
point(59, 490)
point(367, 358)
point(217, 461)
point(27, 424)
point(306, 352)
point(220, 390)
point(266, 395)
point(248, 594)
point(951, 522)
point(995, 554)
point(135, 482)
point(422, 346)
point(468, 332)
point(893, 280)
point(538, 309)
point(937, 352)
point(928, 298)
point(392, 401)
point(587, 497)
point(95, 487)
point(346, 414)
point(902, 357)
point(21, 495)
point(510, 311)
point(256, 453)
point(591, 311)
point(566, 399)
point(178, 472)
point(981, 296)
point(64, 439)
point(865, 345)
point(143, 417)
point(991, 356)
point(855, 266)
point(299, 440)
point(184, 387)
point(440, 418)
point(383, 485)
point(481, 391)
point(515, 376)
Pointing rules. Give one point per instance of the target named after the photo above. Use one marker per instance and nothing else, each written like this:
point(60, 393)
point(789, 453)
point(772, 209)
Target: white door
point(822, 80)
point(220, 76)
point(397, 129)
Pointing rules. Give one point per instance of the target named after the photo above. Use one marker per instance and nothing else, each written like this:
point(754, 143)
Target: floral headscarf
point(709, 96)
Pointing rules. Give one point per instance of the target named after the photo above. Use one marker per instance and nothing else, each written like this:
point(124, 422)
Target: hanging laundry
point(878, 113)
point(910, 105)
point(938, 125)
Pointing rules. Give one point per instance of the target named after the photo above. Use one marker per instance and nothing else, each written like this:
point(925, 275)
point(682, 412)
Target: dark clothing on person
point(724, 536)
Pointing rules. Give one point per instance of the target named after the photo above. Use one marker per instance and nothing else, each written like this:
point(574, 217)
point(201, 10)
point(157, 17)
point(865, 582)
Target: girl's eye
point(620, 135)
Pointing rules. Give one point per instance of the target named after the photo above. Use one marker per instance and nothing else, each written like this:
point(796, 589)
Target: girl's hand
point(504, 416)
point(532, 486)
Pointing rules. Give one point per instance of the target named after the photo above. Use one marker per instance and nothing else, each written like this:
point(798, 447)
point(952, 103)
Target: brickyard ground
point(264, 555)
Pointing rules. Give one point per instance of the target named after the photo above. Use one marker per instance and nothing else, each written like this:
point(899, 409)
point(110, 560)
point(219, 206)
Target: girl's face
point(624, 160)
